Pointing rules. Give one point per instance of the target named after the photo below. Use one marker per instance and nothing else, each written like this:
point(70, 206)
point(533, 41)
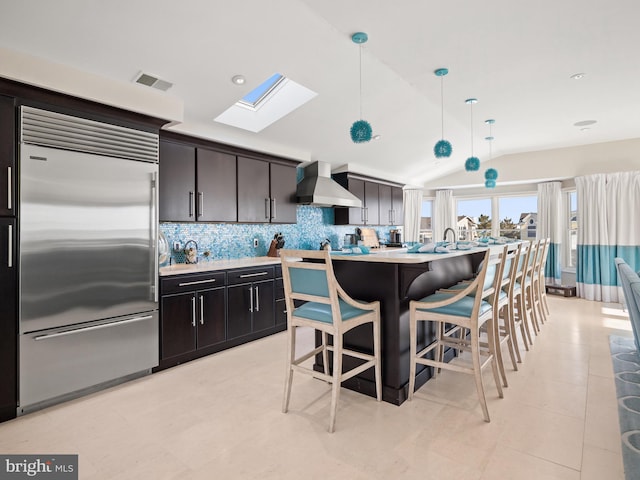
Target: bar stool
point(518, 305)
point(327, 308)
point(529, 288)
point(469, 308)
point(542, 290)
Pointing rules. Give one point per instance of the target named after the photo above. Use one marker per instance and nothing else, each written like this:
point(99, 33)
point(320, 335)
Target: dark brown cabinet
point(193, 316)
point(251, 301)
point(266, 192)
point(391, 205)
point(381, 202)
point(281, 306)
point(8, 319)
point(8, 156)
point(177, 182)
point(196, 184)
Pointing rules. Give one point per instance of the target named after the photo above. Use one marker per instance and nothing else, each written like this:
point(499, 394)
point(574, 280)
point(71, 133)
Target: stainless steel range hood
point(318, 189)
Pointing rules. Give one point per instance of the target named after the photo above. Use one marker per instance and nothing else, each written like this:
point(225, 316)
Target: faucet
point(446, 230)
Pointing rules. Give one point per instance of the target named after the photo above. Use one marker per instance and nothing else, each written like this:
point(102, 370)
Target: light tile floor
point(219, 417)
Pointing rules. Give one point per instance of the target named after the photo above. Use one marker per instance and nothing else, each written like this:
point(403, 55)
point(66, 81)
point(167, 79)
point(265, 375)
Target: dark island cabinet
point(8, 319)
point(8, 157)
point(196, 184)
point(251, 301)
point(266, 192)
point(281, 306)
point(192, 316)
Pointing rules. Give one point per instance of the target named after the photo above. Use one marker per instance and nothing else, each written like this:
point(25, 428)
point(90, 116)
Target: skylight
point(273, 99)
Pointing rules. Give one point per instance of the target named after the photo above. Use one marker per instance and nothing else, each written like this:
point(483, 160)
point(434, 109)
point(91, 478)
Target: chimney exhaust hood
point(319, 189)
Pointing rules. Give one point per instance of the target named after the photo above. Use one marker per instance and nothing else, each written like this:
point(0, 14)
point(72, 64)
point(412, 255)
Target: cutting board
point(369, 237)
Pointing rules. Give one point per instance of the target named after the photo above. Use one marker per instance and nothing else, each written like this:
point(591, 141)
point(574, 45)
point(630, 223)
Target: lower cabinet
point(204, 313)
point(8, 320)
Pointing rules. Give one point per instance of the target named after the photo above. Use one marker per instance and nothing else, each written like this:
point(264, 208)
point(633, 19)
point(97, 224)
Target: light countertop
point(213, 265)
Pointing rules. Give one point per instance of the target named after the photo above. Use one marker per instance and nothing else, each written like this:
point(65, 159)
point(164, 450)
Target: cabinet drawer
point(189, 283)
point(247, 275)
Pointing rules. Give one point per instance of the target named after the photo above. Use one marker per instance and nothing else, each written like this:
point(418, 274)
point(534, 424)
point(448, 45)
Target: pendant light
point(443, 147)
point(361, 129)
point(473, 163)
point(491, 174)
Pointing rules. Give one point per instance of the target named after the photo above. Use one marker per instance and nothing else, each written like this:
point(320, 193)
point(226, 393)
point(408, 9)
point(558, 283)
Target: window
point(426, 222)
point(474, 218)
point(518, 216)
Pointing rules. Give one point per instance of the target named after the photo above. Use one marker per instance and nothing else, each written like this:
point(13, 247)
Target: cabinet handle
point(362, 214)
point(259, 274)
point(193, 311)
point(200, 204)
point(366, 214)
point(273, 209)
point(201, 310)
point(266, 208)
point(10, 247)
point(251, 299)
point(196, 282)
point(9, 192)
point(257, 300)
point(191, 204)
point(392, 216)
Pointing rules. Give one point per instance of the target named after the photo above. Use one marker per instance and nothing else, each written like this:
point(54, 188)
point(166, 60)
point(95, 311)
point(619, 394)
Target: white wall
point(521, 171)
point(60, 78)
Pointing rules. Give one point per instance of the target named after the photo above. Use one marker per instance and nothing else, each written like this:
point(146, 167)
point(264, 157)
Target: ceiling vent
point(152, 81)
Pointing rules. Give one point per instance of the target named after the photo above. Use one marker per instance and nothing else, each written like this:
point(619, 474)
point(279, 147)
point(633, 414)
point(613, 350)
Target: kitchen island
point(395, 278)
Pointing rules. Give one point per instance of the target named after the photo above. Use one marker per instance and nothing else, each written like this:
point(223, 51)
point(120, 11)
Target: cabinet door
point(371, 203)
point(283, 194)
point(385, 205)
point(239, 311)
point(8, 320)
point(177, 324)
point(281, 306)
point(216, 182)
point(177, 182)
point(253, 190)
point(397, 202)
point(7, 156)
point(212, 308)
point(356, 214)
point(263, 308)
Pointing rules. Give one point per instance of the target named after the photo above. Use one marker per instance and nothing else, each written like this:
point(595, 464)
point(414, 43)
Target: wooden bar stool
point(308, 277)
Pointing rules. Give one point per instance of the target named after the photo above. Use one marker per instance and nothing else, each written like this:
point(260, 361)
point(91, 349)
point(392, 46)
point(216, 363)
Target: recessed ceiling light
point(584, 123)
point(584, 129)
point(238, 79)
point(577, 76)
point(377, 137)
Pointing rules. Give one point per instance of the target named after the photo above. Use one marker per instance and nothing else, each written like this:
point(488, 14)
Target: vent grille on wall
point(152, 81)
point(52, 129)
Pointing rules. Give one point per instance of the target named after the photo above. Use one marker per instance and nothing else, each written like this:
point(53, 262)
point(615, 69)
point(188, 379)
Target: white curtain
point(444, 213)
point(607, 228)
point(551, 224)
point(412, 214)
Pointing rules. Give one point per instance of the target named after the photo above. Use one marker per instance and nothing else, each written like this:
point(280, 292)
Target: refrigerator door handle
point(88, 329)
point(154, 232)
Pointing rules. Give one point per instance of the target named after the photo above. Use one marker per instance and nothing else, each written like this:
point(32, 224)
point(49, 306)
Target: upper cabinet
point(391, 205)
point(7, 156)
point(196, 184)
point(266, 192)
point(201, 183)
point(381, 201)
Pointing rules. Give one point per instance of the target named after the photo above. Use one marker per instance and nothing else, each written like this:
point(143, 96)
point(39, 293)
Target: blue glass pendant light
point(361, 130)
point(443, 147)
point(491, 174)
point(473, 163)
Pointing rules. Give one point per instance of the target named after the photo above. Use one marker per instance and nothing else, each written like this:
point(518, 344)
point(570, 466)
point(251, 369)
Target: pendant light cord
point(360, 82)
point(442, 105)
point(471, 104)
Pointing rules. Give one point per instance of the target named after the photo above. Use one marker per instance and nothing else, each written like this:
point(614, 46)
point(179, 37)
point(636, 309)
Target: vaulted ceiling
point(515, 57)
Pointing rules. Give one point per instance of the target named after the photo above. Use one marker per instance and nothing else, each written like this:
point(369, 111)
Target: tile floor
point(219, 418)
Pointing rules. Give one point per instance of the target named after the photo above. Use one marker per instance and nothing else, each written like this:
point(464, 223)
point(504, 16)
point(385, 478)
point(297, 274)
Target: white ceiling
point(515, 57)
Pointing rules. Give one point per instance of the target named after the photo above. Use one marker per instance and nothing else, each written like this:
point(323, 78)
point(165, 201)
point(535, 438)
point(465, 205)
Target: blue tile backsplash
point(233, 240)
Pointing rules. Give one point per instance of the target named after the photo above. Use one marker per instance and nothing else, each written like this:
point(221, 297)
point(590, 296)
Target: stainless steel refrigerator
point(88, 219)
